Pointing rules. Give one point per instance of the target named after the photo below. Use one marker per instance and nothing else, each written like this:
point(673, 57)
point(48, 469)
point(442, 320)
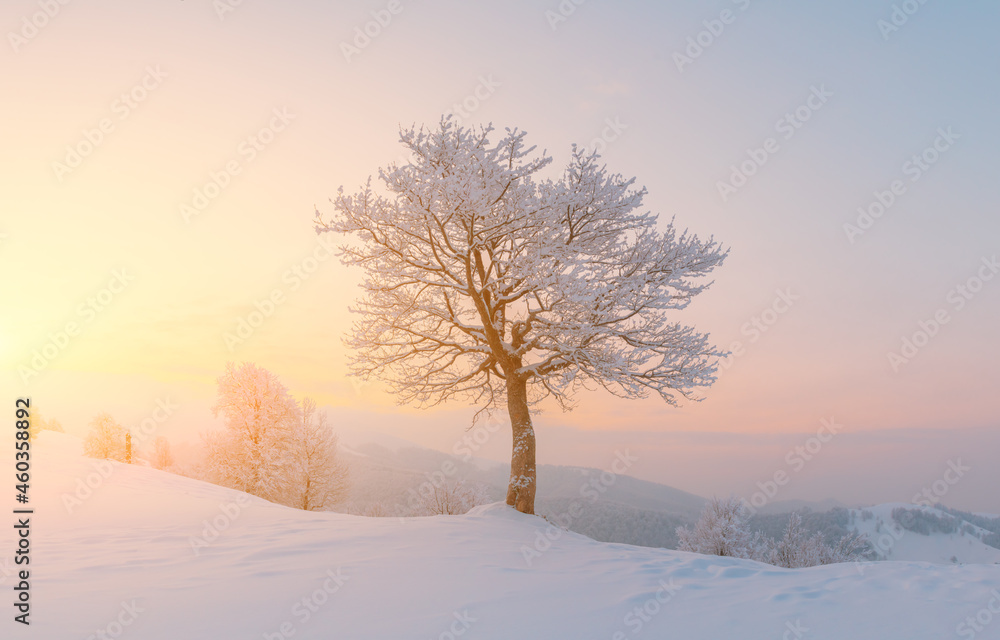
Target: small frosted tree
point(722, 530)
point(376, 509)
point(106, 439)
point(319, 478)
point(452, 497)
point(850, 548)
point(799, 549)
point(251, 453)
point(486, 283)
point(39, 423)
point(162, 457)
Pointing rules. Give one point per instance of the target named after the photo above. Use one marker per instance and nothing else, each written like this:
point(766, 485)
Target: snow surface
point(130, 545)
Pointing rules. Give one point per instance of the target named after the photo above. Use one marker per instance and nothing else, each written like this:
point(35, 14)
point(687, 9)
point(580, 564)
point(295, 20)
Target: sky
point(162, 162)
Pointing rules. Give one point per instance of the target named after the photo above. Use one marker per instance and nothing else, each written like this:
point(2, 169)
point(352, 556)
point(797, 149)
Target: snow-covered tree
point(722, 530)
point(798, 549)
point(487, 283)
point(39, 423)
point(162, 457)
point(452, 497)
point(252, 452)
point(319, 477)
point(106, 439)
point(849, 548)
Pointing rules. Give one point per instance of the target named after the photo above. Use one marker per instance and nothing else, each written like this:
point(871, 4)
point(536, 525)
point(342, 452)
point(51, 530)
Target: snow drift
point(132, 552)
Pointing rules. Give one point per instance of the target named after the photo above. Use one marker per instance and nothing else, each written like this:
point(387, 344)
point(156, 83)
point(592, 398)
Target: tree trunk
point(521, 490)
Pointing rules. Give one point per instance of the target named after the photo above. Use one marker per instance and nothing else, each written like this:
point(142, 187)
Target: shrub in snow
point(452, 497)
point(376, 509)
point(38, 423)
point(106, 439)
point(799, 549)
point(724, 530)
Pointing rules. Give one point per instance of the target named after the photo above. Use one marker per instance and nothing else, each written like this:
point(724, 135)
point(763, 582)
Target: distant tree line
point(989, 523)
point(923, 522)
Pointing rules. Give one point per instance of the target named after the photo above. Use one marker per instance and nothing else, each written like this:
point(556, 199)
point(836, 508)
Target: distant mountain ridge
point(619, 508)
point(382, 474)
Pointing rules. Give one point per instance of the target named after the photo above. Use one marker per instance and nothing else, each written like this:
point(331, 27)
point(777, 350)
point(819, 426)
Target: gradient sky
point(220, 80)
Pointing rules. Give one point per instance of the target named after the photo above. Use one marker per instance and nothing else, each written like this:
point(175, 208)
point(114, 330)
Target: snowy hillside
point(893, 540)
point(153, 556)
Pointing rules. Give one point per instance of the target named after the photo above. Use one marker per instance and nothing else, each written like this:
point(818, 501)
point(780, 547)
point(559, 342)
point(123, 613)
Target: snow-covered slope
point(153, 556)
point(894, 542)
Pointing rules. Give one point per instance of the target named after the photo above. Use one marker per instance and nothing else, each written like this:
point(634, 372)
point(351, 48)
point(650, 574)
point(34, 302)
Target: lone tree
point(488, 283)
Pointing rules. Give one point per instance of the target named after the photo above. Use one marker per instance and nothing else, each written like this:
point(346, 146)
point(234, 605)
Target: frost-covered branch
point(478, 271)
